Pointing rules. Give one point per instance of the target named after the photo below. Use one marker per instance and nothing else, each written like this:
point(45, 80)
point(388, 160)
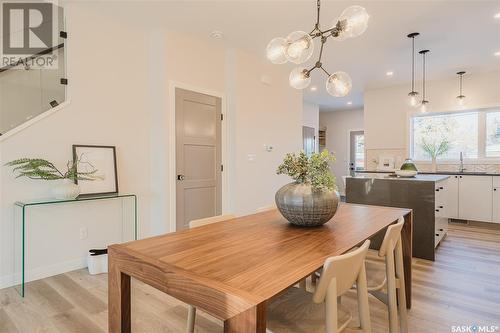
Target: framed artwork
point(102, 158)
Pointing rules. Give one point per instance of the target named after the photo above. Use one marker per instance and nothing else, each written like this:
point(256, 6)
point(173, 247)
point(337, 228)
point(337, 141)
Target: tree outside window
point(445, 135)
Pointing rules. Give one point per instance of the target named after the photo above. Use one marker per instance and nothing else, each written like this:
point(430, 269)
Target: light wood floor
point(461, 288)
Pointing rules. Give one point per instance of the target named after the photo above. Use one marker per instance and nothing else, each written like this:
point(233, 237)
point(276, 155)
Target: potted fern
point(312, 199)
point(40, 169)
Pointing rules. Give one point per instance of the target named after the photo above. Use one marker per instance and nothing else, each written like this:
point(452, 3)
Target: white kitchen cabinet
point(475, 198)
point(452, 197)
point(496, 204)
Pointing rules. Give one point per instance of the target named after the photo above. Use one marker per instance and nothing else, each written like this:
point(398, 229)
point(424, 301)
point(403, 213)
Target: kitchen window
point(493, 134)
point(475, 133)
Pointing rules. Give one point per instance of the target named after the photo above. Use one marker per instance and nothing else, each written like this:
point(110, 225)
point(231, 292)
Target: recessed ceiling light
point(497, 16)
point(349, 103)
point(389, 73)
point(314, 88)
point(216, 34)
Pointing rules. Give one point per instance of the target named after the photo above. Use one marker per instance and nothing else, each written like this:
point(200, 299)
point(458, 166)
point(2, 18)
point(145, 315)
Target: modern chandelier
point(298, 47)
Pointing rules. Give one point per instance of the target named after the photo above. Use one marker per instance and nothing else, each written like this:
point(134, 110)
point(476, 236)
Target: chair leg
point(331, 309)
point(391, 292)
point(191, 319)
point(302, 284)
point(363, 306)
point(403, 318)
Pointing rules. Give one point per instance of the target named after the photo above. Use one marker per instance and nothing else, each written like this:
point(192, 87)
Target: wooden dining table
point(232, 269)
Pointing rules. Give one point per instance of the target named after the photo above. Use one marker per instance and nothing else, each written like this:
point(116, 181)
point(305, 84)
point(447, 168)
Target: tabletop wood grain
point(230, 269)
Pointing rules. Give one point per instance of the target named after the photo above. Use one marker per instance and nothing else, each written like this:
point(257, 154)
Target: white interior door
point(198, 156)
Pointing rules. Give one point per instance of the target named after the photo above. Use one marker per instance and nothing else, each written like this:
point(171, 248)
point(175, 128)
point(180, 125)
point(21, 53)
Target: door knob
point(181, 177)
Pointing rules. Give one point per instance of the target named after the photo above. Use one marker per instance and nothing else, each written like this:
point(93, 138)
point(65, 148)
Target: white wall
point(310, 118)
point(120, 77)
point(275, 119)
point(109, 92)
point(338, 126)
point(387, 113)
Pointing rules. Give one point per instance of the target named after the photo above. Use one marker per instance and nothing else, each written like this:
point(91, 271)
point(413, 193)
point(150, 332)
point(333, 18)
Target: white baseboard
point(7, 281)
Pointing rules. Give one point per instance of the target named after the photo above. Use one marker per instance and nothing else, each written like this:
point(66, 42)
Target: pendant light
point(412, 96)
point(424, 104)
point(298, 47)
point(460, 97)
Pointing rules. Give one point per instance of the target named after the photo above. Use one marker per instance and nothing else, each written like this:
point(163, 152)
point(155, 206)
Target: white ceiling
point(462, 35)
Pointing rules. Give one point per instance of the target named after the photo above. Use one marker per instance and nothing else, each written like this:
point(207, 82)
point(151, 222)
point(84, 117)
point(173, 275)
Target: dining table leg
point(252, 320)
point(406, 240)
point(118, 299)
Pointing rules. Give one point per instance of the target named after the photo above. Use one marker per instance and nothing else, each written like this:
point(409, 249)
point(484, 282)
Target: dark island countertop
point(418, 177)
point(453, 173)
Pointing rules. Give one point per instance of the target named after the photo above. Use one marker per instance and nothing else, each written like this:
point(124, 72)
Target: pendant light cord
point(413, 64)
point(423, 78)
point(423, 53)
point(412, 83)
point(461, 75)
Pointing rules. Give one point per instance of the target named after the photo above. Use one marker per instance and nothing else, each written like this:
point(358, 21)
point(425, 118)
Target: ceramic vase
point(65, 189)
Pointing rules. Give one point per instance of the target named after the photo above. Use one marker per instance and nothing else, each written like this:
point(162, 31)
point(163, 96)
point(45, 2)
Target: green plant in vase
point(435, 149)
point(313, 170)
point(312, 198)
point(41, 169)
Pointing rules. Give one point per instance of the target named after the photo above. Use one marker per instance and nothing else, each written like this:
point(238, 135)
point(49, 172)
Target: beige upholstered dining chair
point(194, 224)
point(392, 279)
point(266, 208)
point(299, 311)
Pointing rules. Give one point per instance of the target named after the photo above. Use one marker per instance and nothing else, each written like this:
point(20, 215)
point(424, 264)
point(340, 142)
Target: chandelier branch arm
point(308, 71)
point(326, 72)
point(323, 41)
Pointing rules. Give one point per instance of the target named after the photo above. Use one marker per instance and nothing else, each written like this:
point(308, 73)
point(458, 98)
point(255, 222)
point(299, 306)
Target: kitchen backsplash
point(372, 157)
point(488, 168)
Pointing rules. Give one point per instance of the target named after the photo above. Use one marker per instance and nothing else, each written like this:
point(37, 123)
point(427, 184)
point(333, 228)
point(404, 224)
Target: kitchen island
point(424, 194)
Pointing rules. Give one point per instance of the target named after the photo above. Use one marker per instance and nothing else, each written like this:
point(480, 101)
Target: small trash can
point(97, 261)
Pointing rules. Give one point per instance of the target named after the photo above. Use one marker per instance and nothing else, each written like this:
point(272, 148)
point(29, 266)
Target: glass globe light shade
point(424, 106)
point(354, 21)
point(461, 100)
point(339, 84)
point(299, 78)
point(412, 98)
point(275, 51)
point(299, 47)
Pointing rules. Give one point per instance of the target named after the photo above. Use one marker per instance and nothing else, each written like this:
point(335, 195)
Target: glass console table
point(128, 227)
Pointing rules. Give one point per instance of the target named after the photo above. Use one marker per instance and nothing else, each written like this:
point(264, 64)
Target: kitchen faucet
point(461, 168)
